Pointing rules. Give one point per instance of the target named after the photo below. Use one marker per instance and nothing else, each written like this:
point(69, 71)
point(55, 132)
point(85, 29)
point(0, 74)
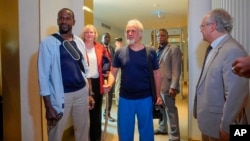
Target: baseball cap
point(118, 39)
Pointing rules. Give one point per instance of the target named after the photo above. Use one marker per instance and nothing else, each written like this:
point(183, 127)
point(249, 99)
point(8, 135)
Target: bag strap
point(151, 73)
point(60, 38)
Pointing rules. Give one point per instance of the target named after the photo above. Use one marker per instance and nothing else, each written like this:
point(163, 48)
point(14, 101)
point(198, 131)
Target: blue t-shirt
point(71, 72)
point(135, 76)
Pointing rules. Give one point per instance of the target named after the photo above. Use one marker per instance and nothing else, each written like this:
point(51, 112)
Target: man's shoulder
point(77, 37)
point(151, 48)
point(49, 39)
point(174, 47)
point(123, 49)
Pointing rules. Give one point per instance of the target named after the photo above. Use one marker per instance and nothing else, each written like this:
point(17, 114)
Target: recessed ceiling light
point(156, 5)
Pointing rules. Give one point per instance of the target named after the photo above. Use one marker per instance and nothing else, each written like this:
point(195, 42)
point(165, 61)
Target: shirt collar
point(215, 43)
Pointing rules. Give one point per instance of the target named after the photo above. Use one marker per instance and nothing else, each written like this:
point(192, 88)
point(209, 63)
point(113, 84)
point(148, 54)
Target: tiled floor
point(182, 104)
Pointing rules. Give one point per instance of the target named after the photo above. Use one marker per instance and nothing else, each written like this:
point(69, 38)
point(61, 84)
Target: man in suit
point(170, 59)
point(220, 95)
point(111, 51)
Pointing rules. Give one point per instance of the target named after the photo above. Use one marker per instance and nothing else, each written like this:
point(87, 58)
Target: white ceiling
point(173, 13)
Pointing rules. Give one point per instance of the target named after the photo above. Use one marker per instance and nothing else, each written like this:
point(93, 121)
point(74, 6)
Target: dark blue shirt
point(135, 80)
point(71, 73)
point(160, 50)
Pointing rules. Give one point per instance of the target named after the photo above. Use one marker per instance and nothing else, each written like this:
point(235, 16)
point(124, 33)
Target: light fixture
point(158, 13)
point(156, 5)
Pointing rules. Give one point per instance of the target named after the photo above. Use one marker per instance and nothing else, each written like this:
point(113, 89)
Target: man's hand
point(105, 75)
point(224, 135)
point(51, 114)
point(106, 88)
point(159, 101)
point(172, 92)
point(241, 66)
point(91, 103)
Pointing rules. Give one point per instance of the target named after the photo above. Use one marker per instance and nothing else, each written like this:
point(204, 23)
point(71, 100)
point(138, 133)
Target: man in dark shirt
point(135, 92)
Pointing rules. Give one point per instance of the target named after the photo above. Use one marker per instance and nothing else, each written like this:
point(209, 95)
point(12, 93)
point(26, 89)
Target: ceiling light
point(159, 14)
point(156, 5)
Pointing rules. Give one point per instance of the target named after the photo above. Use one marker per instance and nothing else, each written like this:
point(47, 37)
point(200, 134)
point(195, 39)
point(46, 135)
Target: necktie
point(209, 48)
point(109, 54)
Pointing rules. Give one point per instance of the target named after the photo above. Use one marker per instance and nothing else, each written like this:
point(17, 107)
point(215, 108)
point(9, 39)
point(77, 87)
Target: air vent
point(106, 26)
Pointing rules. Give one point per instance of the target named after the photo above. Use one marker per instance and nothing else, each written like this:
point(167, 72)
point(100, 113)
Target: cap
point(118, 39)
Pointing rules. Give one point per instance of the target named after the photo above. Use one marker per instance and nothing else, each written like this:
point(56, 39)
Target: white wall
point(114, 32)
point(196, 51)
point(31, 126)
point(238, 10)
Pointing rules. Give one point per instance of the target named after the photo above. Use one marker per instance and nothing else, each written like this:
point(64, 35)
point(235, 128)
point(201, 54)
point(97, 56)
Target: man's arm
point(176, 71)
point(157, 78)
point(111, 79)
point(51, 113)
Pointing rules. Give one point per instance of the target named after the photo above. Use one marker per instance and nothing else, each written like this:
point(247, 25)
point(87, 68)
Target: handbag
point(156, 108)
point(106, 64)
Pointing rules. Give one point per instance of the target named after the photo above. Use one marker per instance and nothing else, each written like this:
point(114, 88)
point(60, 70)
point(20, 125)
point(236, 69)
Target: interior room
point(153, 15)
point(25, 23)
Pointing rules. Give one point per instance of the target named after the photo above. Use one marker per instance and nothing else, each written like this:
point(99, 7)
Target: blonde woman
point(94, 54)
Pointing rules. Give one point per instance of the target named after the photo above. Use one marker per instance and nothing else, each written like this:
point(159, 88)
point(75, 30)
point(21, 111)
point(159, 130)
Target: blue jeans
point(127, 111)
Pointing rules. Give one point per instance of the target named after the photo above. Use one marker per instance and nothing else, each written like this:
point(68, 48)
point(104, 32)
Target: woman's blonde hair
point(88, 27)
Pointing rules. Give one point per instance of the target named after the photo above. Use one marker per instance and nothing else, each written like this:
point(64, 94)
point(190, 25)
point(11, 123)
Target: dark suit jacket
point(111, 49)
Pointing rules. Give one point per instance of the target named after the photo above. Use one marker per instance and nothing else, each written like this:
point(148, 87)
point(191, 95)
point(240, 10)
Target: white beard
point(130, 42)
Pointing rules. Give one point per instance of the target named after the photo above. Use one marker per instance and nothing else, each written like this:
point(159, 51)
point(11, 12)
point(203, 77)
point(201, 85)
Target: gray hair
point(138, 23)
point(223, 20)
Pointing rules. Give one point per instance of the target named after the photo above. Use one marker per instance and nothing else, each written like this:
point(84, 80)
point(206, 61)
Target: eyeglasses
point(203, 25)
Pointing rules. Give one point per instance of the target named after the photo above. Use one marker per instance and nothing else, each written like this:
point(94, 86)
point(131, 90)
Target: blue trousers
point(128, 111)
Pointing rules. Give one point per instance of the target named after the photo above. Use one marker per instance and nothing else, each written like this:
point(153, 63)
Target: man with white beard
point(135, 92)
